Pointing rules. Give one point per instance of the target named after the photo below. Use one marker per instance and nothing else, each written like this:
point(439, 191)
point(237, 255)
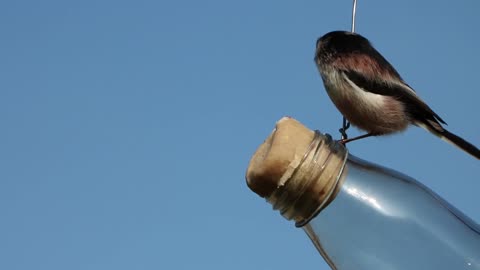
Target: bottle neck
point(311, 184)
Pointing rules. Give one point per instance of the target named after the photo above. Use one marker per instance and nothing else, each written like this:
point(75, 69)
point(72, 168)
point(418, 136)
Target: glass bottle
point(360, 215)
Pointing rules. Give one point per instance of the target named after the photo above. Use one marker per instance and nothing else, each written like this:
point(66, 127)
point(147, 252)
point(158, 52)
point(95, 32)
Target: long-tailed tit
point(370, 93)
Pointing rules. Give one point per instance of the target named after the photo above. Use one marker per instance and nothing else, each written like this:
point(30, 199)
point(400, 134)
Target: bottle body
point(381, 219)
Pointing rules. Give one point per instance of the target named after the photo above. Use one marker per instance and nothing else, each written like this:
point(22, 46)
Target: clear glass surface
point(384, 220)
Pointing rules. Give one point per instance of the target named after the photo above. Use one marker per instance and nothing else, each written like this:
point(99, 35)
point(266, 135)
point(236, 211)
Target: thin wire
point(354, 12)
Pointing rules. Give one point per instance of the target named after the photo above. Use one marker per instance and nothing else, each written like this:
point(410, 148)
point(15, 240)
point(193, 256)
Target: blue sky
point(127, 126)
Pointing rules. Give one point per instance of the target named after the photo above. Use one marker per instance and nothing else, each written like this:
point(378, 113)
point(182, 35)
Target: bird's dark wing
point(417, 109)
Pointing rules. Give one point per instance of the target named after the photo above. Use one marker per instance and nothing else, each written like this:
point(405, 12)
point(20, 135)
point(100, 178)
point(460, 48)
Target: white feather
point(370, 99)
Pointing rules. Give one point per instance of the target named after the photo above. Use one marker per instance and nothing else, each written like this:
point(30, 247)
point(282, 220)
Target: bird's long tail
point(451, 138)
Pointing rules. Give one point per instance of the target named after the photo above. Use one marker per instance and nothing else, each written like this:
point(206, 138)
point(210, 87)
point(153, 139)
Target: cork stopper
point(297, 170)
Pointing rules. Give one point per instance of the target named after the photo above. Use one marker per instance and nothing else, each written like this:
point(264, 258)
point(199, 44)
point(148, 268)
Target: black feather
point(416, 108)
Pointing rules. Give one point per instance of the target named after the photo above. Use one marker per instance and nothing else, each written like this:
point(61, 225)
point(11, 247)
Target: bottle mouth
point(314, 183)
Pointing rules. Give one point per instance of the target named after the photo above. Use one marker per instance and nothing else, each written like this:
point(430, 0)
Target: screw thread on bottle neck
point(312, 184)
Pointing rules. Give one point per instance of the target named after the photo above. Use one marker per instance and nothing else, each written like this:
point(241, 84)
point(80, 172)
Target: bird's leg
point(345, 141)
point(343, 130)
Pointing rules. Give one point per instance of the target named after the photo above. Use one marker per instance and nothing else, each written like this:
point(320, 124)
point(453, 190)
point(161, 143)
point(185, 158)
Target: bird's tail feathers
point(451, 138)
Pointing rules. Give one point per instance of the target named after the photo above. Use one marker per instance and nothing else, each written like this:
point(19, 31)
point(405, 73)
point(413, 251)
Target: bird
point(371, 94)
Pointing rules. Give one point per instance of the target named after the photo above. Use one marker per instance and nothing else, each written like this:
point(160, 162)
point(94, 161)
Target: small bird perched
point(370, 93)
